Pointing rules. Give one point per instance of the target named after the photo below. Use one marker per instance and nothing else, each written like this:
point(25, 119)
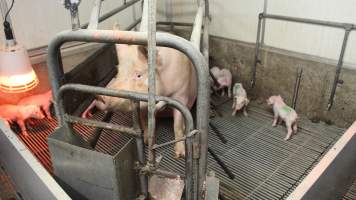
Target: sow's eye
point(138, 75)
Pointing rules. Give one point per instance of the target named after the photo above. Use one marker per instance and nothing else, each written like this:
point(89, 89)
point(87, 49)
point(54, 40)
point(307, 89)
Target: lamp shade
point(16, 72)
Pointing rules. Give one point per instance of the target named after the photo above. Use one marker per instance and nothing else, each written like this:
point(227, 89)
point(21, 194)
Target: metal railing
point(194, 176)
point(348, 27)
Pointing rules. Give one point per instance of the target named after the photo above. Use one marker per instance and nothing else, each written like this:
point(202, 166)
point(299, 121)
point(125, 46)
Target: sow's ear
point(143, 53)
point(120, 48)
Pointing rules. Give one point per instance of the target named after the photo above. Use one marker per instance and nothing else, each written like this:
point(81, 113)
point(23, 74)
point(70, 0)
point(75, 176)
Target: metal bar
point(265, 4)
point(55, 70)
point(95, 13)
point(221, 163)
point(97, 132)
point(113, 12)
point(94, 123)
point(197, 27)
point(156, 146)
point(140, 145)
point(296, 87)
point(310, 21)
point(257, 51)
point(74, 14)
point(144, 25)
point(134, 24)
point(338, 68)
point(174, 23)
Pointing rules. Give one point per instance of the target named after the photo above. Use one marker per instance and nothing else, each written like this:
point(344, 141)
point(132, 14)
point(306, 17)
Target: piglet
point(286, 113)
point(240, 100)
point(19, 114)
point(43, 101)
point(224, 79)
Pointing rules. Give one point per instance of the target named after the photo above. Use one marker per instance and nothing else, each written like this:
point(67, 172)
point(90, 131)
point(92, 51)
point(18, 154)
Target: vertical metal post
point(265, 3)
point(257, 51)
point(151, 43)
point(74, 13)
point(338, 67)
point(140, 146)
point(296, 87)
point(95, 14)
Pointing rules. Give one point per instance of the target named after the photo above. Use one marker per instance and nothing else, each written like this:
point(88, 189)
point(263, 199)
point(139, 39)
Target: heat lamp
point(16, 72)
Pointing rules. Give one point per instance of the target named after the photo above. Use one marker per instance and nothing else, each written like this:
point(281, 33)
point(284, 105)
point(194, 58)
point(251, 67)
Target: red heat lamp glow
point(16, 72)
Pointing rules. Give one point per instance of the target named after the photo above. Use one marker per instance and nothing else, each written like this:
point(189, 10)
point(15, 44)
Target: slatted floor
point(351, 193)
point(265, 166)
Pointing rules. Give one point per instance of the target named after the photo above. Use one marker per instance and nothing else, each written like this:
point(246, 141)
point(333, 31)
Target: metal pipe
point(55, 70)
point(140, 146)
point(156, 146)
point(310, 21)
point(338, 68)
point(174, 23)
point(144, 21)
point(197, 27)
point(134, 24)
point(257, 51)
point(265, 3)
point(74, 14)
point(97, 132)
point(98, 124)
point(95, 13)
point(113, 12)
point(151, 47)
point(347, 26)
point(296, 87)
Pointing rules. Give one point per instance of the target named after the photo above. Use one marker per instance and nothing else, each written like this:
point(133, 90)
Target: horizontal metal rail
point(174, 23)
point(309, 21)
point(348, 27)
point(93, 123)
point(117, 93)
point(113, 12)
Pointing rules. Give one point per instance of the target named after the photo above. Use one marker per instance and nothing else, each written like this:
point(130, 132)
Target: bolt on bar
point(348, 27)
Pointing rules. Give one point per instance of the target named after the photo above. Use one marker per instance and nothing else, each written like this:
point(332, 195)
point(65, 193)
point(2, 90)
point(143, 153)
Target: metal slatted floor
point(265, 166)
point(351, 193)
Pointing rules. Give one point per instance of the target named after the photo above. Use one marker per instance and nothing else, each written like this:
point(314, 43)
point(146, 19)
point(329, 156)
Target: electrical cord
point(8, 11)
point(7, 27)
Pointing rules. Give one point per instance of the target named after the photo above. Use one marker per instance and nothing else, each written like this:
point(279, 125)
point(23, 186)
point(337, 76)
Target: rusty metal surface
point(165, 188)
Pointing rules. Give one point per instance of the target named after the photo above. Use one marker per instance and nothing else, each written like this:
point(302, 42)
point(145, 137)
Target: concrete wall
point(36, 22)
point(237, 19)
point(277, 75)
